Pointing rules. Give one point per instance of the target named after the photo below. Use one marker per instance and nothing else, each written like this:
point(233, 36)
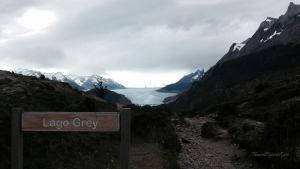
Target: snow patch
point(27, 72)
point(59, 76)
point(270, 37)
point(266, 29)
point(268, 20)
point(78, 81)
point(196, 77)
point(238, 46)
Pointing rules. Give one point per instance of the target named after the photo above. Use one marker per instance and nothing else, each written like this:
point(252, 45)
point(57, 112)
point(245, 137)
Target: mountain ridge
point(83, 83)
point(272, 31)
point(184, 83)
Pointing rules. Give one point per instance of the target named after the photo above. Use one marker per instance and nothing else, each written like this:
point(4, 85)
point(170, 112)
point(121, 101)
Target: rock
point(185, 141)
point(188, 121)
point(12, 90)
point(252, 125)
point(211, 130)
point(242, 105)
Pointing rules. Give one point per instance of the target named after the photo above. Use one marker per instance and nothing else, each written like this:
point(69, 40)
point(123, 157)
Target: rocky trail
point(147, 156)
point(203, 153)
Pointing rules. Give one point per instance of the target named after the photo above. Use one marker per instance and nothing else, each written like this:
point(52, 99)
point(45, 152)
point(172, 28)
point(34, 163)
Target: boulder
point(248, 133)
point(185, 141)
point(212, 130)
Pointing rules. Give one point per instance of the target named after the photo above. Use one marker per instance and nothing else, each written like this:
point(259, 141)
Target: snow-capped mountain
point(83, 83)
point(88, 82)
point(184, 83)
point(271, 32)
point(192, 76)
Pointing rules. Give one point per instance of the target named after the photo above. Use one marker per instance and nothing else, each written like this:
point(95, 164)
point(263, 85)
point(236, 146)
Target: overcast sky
point(137, 42)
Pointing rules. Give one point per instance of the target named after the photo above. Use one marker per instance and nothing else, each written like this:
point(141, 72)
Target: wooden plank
point(125, 138)
point(71, 121)
point(16, 139)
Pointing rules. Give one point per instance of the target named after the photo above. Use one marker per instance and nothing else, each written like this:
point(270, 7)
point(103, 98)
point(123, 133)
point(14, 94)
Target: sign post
point(16, 139)
point(125, 138)
point(69, 122)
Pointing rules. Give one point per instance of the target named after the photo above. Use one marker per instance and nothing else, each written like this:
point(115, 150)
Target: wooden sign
point(71, 121)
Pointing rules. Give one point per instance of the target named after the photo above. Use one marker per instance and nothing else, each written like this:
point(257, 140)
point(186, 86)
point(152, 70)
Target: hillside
point(213, 88)
point(34, 94)
point(79, 150)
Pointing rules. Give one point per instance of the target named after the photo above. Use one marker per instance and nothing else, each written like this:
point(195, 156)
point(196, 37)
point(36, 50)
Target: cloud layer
point(130, 35)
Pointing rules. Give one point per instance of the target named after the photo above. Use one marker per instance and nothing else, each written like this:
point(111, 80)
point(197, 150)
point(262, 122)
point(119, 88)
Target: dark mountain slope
point(213, 88)
point(112, 97)
point(184, 83)
point(273, 47)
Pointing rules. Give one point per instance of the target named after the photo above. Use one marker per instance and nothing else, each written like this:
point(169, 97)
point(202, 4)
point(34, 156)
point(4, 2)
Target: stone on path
point(204, 153)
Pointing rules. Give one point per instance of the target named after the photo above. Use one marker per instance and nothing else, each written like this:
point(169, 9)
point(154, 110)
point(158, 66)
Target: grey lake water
point(144, 96)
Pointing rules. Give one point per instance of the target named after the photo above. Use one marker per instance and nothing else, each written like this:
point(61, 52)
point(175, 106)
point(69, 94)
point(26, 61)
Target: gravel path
point(147, 156)
point(201, 153)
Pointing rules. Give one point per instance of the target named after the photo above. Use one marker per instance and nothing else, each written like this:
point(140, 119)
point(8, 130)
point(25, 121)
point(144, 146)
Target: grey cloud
point(37, 55)
point(135, 34)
